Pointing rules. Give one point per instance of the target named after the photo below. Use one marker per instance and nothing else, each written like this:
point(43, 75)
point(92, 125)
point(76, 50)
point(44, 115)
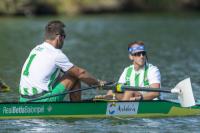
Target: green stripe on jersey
point(34, 90)
point(25, 91)
point(52, 79)
point(137, 79)
point(128, 75)
point(26, 71)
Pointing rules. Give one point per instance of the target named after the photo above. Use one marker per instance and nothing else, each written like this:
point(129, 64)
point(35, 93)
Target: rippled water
point(99, 44)
point(114, 125)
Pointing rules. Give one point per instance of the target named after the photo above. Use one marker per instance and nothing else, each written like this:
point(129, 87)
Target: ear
point(130, 57)
point(57, 37)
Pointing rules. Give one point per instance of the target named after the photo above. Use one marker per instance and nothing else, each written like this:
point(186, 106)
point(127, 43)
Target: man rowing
point(139, 74)
point(40, 76)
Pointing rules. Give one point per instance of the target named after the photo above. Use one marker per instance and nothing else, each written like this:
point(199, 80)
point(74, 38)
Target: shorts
point(59, 88)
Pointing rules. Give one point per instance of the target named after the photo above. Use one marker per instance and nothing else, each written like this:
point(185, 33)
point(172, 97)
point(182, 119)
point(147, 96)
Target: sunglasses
point(63, 35)
point(143, 53)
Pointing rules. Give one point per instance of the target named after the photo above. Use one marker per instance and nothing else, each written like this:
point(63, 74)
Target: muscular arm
point(82, 75)
point(152, 95)
point(154, 78)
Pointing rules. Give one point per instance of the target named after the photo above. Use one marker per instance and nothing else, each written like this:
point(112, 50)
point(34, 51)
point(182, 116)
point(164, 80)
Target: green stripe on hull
point(153, 107)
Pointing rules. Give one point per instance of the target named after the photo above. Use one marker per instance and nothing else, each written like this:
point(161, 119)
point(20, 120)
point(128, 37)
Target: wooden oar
point(4, 87)
point(71, 91)
point(183, 89)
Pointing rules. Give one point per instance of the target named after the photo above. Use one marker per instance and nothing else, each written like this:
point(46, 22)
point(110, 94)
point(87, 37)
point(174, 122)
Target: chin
point(141, 64)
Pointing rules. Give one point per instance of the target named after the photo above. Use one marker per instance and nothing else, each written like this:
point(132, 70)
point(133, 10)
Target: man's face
point(137, 54)
point(139, 58)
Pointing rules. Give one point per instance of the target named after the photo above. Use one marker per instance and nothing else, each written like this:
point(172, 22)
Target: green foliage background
point(73, 7)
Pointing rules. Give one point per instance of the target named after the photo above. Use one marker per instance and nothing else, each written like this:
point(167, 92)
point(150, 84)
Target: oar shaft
point(59, 94)
point(124, 88)
point(67, 92)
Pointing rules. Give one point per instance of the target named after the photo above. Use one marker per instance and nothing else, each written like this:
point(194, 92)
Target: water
point(115, 125)
point(99, 44)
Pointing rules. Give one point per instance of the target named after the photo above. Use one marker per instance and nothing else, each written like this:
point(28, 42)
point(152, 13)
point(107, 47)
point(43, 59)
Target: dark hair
point(54, 28)
point(135, 43)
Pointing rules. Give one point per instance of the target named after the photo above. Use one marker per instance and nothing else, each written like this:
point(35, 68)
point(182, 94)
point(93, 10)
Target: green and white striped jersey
point(41, 68)
point(144, 77)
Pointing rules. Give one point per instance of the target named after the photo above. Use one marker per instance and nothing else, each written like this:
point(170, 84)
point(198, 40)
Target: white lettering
point(23, 110)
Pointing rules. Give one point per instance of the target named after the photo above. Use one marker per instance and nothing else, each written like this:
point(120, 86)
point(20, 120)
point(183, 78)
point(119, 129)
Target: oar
point(183, 89)
point(109, 84)
point(4, 87)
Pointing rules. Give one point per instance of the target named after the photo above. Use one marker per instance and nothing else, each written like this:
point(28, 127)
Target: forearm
point(83, 75)
point(152, 95)
point(110, 92)
point(87, 78)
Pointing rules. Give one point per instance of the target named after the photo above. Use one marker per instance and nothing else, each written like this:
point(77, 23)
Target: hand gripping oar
point(183, 89)
point(72, 91)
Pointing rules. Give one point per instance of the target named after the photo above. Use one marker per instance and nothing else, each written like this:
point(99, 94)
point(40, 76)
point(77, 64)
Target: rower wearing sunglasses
point(48, 73)
point(139, 74)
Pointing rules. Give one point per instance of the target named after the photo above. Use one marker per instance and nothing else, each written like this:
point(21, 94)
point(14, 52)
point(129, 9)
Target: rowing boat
point(97, 109)
point(184, 106)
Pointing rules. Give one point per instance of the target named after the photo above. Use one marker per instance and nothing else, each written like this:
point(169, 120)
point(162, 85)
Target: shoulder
point(59, 54)
point(37, 47)
point(62, 58)
point(128, 67)
point(154, 75)
point(152, 67)
point(153, 71)
point(54, 52)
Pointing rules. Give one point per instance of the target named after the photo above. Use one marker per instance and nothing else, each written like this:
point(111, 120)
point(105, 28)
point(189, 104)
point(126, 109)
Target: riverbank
point(74, 7)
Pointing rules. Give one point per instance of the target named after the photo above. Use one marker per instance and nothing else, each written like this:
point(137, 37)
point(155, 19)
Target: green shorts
point(59, 88)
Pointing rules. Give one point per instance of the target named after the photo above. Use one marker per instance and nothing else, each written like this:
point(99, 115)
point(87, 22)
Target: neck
point(52, 42)
point(137, 67)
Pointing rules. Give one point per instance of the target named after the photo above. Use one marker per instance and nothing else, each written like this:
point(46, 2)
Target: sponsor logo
point(23, 110)
point(112, 108)
point(122, 108)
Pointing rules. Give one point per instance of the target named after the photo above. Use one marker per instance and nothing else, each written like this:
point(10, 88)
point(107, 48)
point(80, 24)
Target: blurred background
point(98, 32)
point(73, 7)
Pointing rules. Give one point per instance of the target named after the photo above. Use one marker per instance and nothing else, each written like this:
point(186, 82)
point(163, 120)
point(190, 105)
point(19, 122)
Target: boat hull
point(95, 109)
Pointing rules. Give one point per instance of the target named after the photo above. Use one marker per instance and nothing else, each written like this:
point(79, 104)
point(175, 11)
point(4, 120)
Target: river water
point(99, 44)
